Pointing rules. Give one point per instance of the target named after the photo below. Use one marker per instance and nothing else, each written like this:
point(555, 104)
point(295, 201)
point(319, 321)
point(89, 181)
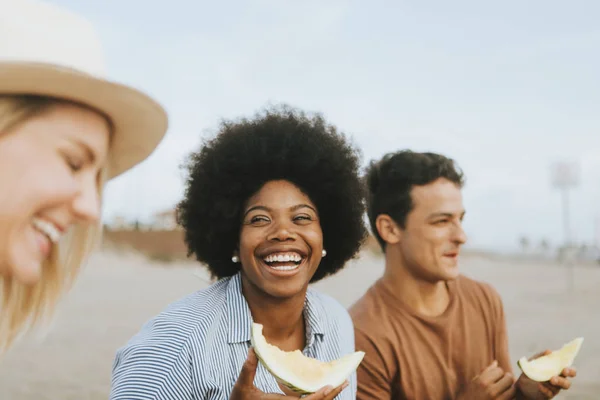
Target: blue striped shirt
point(196, 347)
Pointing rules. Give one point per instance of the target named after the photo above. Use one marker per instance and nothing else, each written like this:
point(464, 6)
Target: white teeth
point(47, 229)
point(286, 267)
point(283, 257)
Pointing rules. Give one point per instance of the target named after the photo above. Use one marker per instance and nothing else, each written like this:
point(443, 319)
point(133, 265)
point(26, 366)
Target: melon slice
point(298, 372)
point(543, 368)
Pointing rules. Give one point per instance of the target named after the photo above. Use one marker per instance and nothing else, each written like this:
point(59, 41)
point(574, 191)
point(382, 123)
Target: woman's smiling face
point(281, 240)
point(49, 172)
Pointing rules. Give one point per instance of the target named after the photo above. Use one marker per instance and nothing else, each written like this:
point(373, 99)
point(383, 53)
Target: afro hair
point(280, 144)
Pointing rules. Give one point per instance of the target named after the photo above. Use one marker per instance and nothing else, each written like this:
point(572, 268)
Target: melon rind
point(543, 368)
point(339, 369)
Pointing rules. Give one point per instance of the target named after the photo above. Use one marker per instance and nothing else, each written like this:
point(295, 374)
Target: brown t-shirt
point(411, 356)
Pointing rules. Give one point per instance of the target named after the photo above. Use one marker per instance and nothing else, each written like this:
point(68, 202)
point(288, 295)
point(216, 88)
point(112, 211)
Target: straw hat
point(46, 50)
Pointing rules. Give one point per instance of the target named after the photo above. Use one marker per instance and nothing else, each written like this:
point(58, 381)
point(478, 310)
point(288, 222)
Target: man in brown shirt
point(429, 332)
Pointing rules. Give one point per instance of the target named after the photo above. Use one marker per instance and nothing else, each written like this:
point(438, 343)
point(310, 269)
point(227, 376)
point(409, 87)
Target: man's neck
point(424, 297)
point(282, 319)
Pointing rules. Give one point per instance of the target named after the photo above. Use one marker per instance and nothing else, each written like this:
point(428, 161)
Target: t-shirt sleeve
point(374, 382)
point(152, 369)
point(501, 344)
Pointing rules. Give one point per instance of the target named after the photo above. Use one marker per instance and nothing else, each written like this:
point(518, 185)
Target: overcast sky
point(506, 89)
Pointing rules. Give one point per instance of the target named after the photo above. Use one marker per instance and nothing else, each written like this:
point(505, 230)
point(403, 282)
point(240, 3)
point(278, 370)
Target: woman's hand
point(244, 388)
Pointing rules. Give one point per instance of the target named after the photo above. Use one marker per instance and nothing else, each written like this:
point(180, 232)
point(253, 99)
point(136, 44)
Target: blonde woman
point(64, 131)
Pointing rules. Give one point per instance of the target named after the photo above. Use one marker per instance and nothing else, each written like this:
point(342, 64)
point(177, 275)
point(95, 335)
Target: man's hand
point(244, 388)
point(491, 383)
point(532, 390)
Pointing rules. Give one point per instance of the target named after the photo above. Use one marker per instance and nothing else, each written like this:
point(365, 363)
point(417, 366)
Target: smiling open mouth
point(48, 229)
point(288, 261)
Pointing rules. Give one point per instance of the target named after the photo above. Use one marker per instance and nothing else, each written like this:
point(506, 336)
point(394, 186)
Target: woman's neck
point(282, 319)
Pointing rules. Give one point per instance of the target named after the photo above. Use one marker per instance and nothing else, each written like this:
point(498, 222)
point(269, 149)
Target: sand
point(117, 293)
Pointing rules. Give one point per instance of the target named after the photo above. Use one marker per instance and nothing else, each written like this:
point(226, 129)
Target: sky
point(507, 89)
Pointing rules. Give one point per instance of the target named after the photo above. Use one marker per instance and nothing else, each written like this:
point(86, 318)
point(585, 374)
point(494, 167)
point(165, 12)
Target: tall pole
point(597, 238)
point(568, 243)
point(566, 225)
point(565, 175)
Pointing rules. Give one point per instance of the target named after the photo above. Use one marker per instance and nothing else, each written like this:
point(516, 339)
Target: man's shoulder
point(476, 285)
point(369, 314)
point(367, 302)
point(478, 291)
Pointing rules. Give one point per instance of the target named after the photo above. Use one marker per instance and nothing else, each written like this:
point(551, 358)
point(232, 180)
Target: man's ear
point(387, 228)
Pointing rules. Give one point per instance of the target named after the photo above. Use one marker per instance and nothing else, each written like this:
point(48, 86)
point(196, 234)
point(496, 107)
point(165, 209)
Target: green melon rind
point(272, 372)
point(524, 359)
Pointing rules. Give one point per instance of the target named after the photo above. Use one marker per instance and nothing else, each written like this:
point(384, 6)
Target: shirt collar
point(238, 312)
point(240, 319)
point(314, 315)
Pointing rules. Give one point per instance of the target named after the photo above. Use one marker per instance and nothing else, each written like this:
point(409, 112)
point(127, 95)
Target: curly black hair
point(390, 180)
point(280, 144)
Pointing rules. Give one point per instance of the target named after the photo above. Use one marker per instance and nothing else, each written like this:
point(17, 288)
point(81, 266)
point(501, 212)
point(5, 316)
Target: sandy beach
point(118, 292)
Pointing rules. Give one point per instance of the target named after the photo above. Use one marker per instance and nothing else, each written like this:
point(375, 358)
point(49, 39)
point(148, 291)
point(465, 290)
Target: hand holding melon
point(244, 388)
point(545, 374)
point(301, 374)
point(542, 369)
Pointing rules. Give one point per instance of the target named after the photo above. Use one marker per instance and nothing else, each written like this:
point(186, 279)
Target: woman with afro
point(271, 204)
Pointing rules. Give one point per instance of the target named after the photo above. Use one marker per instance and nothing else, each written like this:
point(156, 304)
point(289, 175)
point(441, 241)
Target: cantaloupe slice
point(543, 368)
point(299, 373)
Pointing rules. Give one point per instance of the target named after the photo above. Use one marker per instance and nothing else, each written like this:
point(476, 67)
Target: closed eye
point(259, 220)
point(304, 218)
point(73, 164)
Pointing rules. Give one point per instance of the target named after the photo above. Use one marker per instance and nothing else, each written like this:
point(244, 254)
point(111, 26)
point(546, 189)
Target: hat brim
point(140, 123)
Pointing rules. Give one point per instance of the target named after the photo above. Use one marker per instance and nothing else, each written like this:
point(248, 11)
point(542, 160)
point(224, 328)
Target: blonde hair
point(22, 307)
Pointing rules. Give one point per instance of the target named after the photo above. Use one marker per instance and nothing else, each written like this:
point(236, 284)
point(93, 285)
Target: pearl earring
point(324, 253)
point(235, 259)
